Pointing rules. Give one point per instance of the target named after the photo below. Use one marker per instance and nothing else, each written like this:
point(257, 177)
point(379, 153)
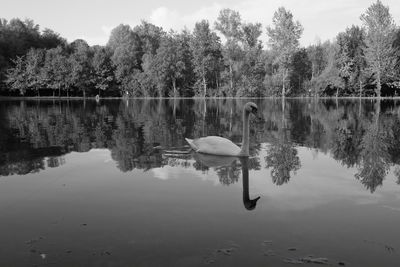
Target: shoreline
point(211, 98)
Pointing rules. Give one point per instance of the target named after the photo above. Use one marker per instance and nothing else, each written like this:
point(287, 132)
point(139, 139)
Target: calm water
point(113, 184)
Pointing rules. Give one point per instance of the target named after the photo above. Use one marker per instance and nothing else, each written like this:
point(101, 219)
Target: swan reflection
point(230, 165)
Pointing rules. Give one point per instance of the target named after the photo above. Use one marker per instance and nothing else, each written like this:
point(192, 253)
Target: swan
point(216, 145)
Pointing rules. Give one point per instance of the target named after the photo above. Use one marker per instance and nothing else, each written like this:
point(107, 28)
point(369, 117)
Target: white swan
point(217, 145)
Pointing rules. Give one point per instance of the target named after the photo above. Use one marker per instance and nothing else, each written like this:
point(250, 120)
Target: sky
point(94, 20)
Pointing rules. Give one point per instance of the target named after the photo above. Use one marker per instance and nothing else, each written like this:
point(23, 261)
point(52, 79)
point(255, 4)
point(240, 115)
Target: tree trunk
point(174, 86)
point(204, 85)
point(283, 83)
point(84, 94)
point(337, 92)
point(216, 82)
point(53, 93)
point(360, 88)
point(299, 84)
point(67, 93)
point(377, 111)
point(174, 110)
point(231, 76)
point(312, 71)
point(59, 92)
point(378, 84)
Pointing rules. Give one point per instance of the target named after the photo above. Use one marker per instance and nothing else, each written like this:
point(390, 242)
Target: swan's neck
point(245, 141)
point(245, 180)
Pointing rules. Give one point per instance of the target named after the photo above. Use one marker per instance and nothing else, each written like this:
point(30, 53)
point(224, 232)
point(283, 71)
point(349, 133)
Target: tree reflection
point(282, 159)
point(282, 155)
point(374, 163)
point(226, 168)
point(347, 137)
point(35, 135)
point(397, 174)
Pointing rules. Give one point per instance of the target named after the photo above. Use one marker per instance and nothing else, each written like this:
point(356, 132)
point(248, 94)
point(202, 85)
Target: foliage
point(351, 59)
point(379, 51)
point(145, 61)
point(206, 49)
point(284, 41)
point(283, 159)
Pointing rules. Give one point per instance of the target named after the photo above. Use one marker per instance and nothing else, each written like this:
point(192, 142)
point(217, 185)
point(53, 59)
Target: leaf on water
point(293, 261)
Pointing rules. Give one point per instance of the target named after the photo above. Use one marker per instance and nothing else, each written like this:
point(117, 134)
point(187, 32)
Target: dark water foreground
point(112, 184)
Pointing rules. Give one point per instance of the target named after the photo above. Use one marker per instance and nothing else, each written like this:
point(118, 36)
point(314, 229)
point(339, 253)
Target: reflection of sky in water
point(136, 202)
point(321, 180)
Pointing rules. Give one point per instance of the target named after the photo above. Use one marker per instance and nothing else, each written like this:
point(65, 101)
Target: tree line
point(146, 61)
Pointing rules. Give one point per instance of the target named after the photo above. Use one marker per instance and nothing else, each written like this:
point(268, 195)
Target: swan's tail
point(191, 143)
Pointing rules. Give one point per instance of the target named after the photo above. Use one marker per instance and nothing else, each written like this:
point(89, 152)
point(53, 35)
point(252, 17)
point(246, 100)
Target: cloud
point(169, 172)
point(209, 13)
point(320, 19)
point(166, 18)
point(100, 39)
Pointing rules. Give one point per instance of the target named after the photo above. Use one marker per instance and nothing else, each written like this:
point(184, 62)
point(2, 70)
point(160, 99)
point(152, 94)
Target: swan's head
point(251, 203)
point(251, 107)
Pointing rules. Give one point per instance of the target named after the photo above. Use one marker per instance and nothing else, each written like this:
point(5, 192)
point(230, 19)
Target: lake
point(114, 183)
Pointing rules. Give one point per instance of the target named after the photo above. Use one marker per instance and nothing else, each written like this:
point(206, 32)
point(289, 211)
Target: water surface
point(114, 184)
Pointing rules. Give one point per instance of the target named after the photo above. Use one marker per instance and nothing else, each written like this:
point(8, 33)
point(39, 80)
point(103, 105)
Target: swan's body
point(216, 145)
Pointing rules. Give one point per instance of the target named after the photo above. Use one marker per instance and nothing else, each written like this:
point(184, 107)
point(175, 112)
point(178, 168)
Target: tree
point(51, 39)
point(301, 71)
point(169, 63)
point(150, 37)
point(34, 69)
point(57, 70)
point(396, 45)
point(318, 59)
point(284, 40)
point(80, 61)
point(328, 80)
point(125, 47)
point(379, 52)
point(186, 82)
point(344, 63)
point(16, 76)
point(251, 33)
point(206, 49)
point(229, 24)
point(17, 37)
point(351, 57)
point(253, 63)
point(103, 75)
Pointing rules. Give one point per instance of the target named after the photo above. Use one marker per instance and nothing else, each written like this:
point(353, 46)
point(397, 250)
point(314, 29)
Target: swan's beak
point(251, 205)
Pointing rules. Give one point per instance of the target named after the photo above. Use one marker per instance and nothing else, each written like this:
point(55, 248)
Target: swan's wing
point(215, 145)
